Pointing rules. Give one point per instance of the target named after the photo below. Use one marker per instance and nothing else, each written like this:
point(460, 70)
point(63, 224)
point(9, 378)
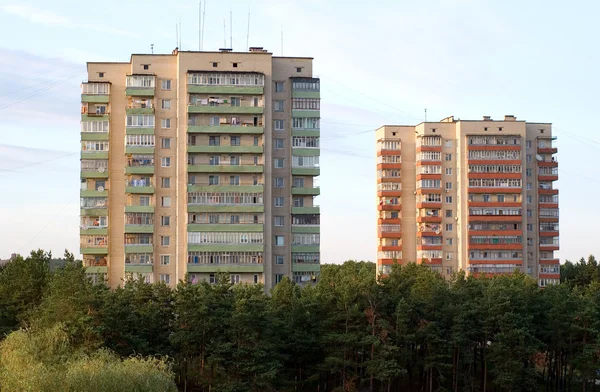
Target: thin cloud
point(48, 18)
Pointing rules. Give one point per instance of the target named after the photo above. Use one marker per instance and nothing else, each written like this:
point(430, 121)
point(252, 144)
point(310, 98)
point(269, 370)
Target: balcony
point(225, 149)
point(388, 147)
point(225, 227)
point(227, 129)
point(139, 149)
point(95, 154)
point(223, 168)
point(139, 248)
point(306, 171)
point(93, 225)
point(225, 247)
point(139, 243)
point(94, 112)
point(131, 208)
point(95, 92)
point(229, 268)
point(306, 210)
point(144, 186)
point(389, 231)
point(93, 245)
point(546, 146)
point(233, 83)
point(141, 228)
point(226, 207)
point(94, 261)
point(140, 164)
point(93, 192)
point(223, 106)
point(315, 191)
point(206, 187)
point(140, 85)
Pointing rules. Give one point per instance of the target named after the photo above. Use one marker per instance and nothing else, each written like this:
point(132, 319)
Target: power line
point(30, 87)
point(45, 227)
point(14, 169)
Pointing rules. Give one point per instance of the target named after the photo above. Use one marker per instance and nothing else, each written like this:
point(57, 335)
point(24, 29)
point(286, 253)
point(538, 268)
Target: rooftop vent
point(258, 49)
point(510, 117)
point(487, 118)
point(225, 50)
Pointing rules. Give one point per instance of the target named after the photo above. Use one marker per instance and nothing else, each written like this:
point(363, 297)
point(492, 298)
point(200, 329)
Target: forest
point(410, 331)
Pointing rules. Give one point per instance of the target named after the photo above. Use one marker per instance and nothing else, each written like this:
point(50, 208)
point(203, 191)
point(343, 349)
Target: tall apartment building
point(200, 162)
point(469, 195)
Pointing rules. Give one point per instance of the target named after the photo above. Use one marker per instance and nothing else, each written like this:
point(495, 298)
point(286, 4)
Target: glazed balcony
point(139, 185)
point(389, 189)
point(95, 92)
point(547, 146)
point(139, 243)
point(139, 106)
point(233, 83)
point(210, 105)
point(140, 164)
point(388, 147)
point(548, 174)
point(93, 244)
point(94, 261)
point(93, 225)
point(140, 85)
point(389, 231)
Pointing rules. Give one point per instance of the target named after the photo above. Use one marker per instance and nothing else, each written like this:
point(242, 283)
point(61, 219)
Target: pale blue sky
point(380, 63)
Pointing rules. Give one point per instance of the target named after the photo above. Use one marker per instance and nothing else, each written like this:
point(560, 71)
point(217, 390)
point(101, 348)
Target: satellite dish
point(539, 158)
point(100, 189)
point(101, 169)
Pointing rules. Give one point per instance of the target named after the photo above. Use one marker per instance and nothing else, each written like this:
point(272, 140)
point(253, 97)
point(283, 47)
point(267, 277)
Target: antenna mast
point(203, 24)
point(180, 33)
point(281, 40)
point(230, 29)
point(224, 34)
point(176, 35)
point(248, 33)
point(200, 25)
point(425, 114)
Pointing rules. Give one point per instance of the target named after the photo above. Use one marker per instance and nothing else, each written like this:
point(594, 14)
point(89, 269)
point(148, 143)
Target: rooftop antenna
point(200, 25)
point(224, 34)
point(425, 114)
point(180, 47)
point(203, 24)
point(248, 33)
point(176, 35)
point(152, 48)
point(230, 29)
point(281, 40)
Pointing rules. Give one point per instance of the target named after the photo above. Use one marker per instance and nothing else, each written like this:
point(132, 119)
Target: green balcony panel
point(225, 109)
point(139, 150)
point(94, 136)
point(139, 131)
point(226, 129)
point(305, 210)
point(211, 268)
point(226, 149)
point(306, 229)
point(93, 211)
point(139, 111)
point(93, 193)
point(233, 90)
point(226, 248)
point(94, 174)
point(306, 94)
point(139, 208)
point(226, 188)
point(94, 231)
point(305, 248)
point(139, 249)
point(306, 152)
point(241, 228)
point(139, 189)
point(94, 251)
point(96, 270)
point(94, 155)
point(139, 92)
point(306, 267)
point(308, 132)
point(139, 229)
point(306, 113)
point(94, 98)
point(306, 171)
point(141, 269)
point(225, 169)
point(212, 208)
point(306, 191)
point(139, 170)
point(94, 117)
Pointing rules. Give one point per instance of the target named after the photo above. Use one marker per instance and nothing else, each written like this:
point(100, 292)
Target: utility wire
point(14, 169)
point(45, 227)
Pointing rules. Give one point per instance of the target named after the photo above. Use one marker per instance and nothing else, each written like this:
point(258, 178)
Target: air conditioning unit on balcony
point(100, 189)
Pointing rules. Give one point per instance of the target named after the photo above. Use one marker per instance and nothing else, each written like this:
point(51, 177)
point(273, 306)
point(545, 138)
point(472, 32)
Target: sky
point(379, 62)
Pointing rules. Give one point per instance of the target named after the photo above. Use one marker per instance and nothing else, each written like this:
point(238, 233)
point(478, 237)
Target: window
point(165, 240)
point(448, 199)
point(299, 202)
point(278, 106)
point(165, 182)
point(448, 226)
point(236, 101)
point(100, 74)
point(529, 199)
point(256, 141)
point(235, 141)
point(529, 241)
point(214, 160)
point(529, 186)
point(528, 172)
point(255, 278)
point(235, 65)
point(215, 65)
point(278, 163)
point(278, 278)
point(279, 240)
point(165, 103)
point(165, 259)
point(528, 143)
point(165, 221)
point(234, 180)
point(298, 69)
point(165, 278)
point(448, 143)
point(528, 157)
point(234, 278)
point(449, 270)
point(278, 125)
point(278, 182)
point(486, 198)
point(278, 201)
point(449, 241)
point(165, 142)
point(213, 180)
point(279, 220)
point(448, 213)
point(146, 66)
point(279, 259)
point(165, 123)
point(165, 161)
point(166, 84)
point(165, 201)
point(529, 213)
point(448, 171)
point(448, 255)
point(501, 198)
point(394, 242)
point(448, 186)
point(278, 87)
point(278, 144)
point(214, 140)
point(448, 157)
point(144, 201)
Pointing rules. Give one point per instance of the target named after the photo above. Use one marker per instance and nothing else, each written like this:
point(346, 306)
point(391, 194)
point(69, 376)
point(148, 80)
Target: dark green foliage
point(411, 331)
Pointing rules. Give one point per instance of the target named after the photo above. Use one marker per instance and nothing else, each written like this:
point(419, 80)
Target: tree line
point(411, 331)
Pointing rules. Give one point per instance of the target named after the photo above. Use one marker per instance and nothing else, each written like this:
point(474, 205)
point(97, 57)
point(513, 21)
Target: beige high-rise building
point(198, 162)
point(469, 195)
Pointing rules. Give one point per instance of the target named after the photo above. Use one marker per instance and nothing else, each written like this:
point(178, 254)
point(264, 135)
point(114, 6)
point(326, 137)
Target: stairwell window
point(278, 163)
point(165, 103)
point(165, 259)
point(165, 161)
point(278, 106)
point(279, 240)
point(278, 125)
point(166, 84)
